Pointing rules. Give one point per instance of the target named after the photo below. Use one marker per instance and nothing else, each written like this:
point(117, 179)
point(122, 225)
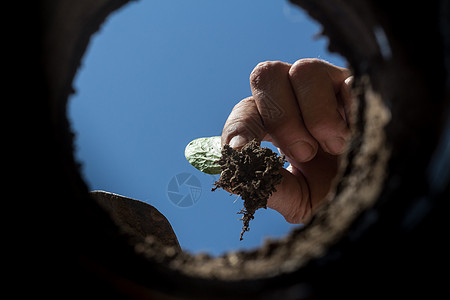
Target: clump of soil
point(253, 172)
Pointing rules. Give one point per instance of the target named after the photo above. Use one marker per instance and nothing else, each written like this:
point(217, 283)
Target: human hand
point(303, 109)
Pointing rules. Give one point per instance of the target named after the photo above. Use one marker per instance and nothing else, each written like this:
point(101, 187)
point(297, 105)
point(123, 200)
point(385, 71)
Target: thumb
point(292, 198)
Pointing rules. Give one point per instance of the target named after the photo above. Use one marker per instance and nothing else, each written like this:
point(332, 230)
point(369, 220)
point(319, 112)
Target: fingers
point(299, 107)
point(243, 124)
point(304, 189)
point(303, 109)
point(292, 198)
point(279, 110)
point(316, 84)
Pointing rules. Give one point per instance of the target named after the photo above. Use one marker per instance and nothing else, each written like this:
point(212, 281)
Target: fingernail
point(349, 80)
point(335, 145)
point(301, 151)
point(238, 141)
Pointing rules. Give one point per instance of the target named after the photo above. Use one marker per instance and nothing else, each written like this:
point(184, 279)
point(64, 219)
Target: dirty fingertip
point(238, 141)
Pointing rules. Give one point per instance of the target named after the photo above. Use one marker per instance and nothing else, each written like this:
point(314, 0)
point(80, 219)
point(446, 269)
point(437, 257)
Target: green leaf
point(203, 154)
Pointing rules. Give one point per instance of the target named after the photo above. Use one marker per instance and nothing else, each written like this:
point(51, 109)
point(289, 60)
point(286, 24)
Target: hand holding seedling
point(303, 109)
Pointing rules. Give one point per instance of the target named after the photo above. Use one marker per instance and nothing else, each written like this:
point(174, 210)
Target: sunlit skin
point(303, 109)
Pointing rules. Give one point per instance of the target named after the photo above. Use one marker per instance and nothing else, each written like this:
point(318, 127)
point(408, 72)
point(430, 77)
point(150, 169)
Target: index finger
point(243, 124)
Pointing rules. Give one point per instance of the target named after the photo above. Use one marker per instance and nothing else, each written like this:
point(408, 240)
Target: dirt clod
point(253, 172)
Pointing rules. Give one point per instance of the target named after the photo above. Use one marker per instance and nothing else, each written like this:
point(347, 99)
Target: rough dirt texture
point(252, 173)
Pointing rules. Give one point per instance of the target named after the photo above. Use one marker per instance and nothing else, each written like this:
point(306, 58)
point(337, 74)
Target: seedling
point(252, 173)
point(204, 154)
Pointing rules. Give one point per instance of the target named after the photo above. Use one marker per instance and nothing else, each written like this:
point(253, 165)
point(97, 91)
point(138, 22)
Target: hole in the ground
point(160, 74)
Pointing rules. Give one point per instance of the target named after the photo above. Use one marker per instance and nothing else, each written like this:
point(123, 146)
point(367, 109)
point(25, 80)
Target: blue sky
point(161, 73)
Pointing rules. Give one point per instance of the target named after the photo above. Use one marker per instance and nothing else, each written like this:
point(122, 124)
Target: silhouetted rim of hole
point(372, 194)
